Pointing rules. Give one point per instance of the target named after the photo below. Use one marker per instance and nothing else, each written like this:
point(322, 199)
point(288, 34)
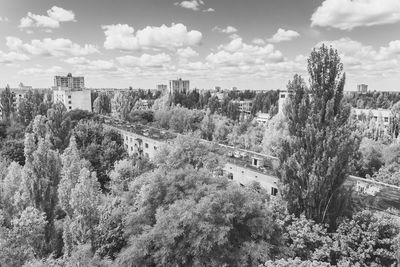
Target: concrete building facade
point(70, 82)
point(179, 86)
point(73, 99)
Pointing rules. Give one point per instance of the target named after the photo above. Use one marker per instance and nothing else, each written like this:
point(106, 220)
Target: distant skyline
point(252, 44)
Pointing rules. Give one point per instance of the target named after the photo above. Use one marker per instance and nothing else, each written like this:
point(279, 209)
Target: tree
point(24, 240)
point(314, 159)
point(192, 219)
point(189, 151)
point(41, 175)
point(368, 239)
point(13, 150)
point(102, 147)
point(102, 104)
point(84, 202)
point(7, 103)
point(275, 131)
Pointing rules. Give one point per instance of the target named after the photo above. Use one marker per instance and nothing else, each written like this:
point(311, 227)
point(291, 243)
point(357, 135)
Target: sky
point(248, 44)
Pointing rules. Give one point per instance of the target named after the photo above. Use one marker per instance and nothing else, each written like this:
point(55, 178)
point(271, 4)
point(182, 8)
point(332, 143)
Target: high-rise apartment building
point(70, 91)
point(362, 88)
point(70, 82)
point(179, 86)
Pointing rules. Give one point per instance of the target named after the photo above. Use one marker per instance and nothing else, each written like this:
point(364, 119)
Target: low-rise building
point(382, 116)
point(243, 167)
point(263, 117)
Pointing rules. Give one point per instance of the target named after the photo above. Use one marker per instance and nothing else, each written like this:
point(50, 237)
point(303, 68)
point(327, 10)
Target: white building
point(179, 86)
point(263, 117)
point(73, 99)
point(383, 116)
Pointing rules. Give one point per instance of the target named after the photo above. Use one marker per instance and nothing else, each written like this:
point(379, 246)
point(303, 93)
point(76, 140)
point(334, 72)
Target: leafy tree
point(368, 239)
point(13, 150)
point(296, 262)
point(314, 159)
point(84, 202)
point(190, 218)
point(189, 151)
point(125, 171)
point(102, 104)
point(102, 147)
point(41, 175)
point(275, 131)
point(7, 103)
point(24, 239)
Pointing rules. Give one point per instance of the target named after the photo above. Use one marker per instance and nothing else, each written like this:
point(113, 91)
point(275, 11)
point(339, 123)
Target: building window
point(69, 102)
point(146, 154)
point(131, 148)
point(255, 162)
point(70, 107)
point(155, 148)
point(242, 172)
point(386, 119)
point(282, 96)
point(126, 138)
point(69, 96)
point(146, 145)
point(274, 191)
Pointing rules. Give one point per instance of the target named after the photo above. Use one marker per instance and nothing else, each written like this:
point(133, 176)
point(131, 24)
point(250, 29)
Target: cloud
point(55, 15)
point(193, 5)
point(348, 14)
point(145, 60)
point(227, 30)
point(83, 64)
point(41, 72)
point(209, 10)
point(283, 35)
point(258, 41)
point(50, 47)
point(12, 57)
point(238, 53)
point(122, 36)
point(4, 19)
point(364, 60)
point(187, 52)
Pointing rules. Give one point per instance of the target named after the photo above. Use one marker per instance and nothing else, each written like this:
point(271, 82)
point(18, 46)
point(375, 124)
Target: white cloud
point(4, 19)
point(209, 10)
point(187, 52)
point(359, 59)
point(82, 64)
point(121, 36)
point(258, 41)
point(12, 57)
point(41, 72)
point(55, 15)
point(145, 60)
point(348, 14)
point(283, 35)
point(50, 47)
point(193, 4)
point(238, 53)
point(227, 30)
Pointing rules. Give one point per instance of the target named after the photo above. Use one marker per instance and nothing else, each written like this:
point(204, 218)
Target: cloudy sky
point(255, 44)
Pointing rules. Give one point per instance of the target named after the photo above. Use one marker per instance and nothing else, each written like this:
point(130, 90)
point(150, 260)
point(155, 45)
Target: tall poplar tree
point(7, 103)
point(314, 158)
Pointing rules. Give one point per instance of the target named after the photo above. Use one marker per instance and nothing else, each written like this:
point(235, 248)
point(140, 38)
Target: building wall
point(283, 97)
point(141, 145)
point(246, 176)
point(74, 99)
